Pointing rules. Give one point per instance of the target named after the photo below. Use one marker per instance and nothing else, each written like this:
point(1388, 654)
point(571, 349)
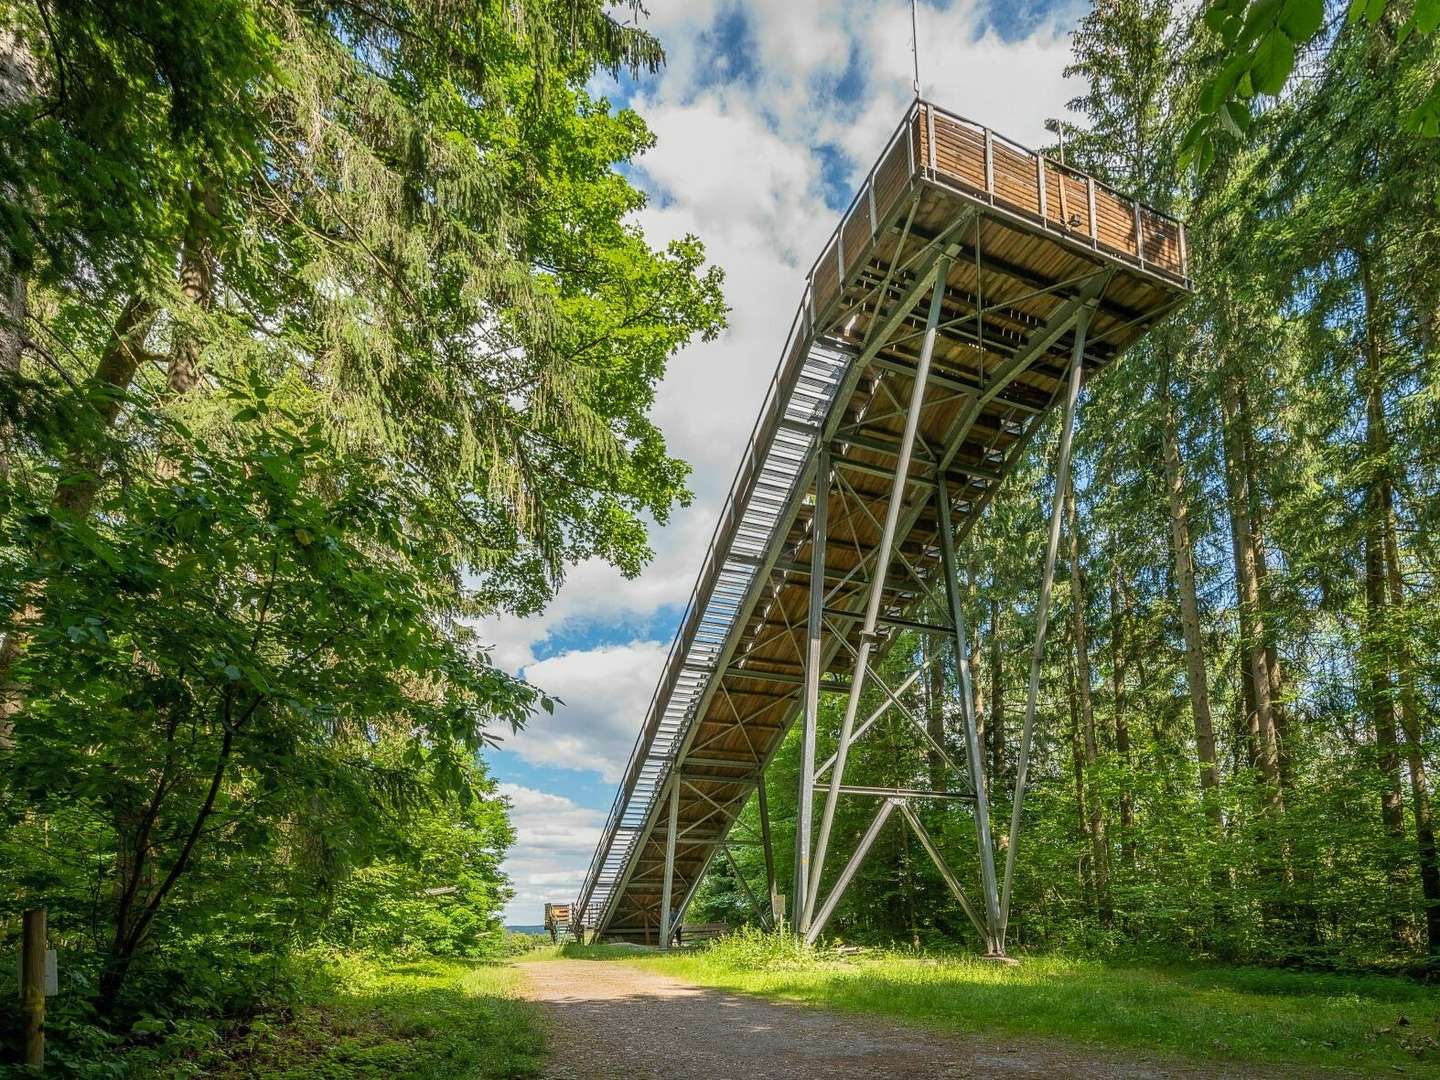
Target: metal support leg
point(771, 895)
point(745, 885)
point(874, 717)
point(951, 880)
point(814, 660)
point(666, 930)
point(848, 873)
point(1042, 611)
point(877, 580)
point(994, 943)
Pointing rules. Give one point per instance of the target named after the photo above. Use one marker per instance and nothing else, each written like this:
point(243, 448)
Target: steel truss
point(911, 494)
point(939, 330)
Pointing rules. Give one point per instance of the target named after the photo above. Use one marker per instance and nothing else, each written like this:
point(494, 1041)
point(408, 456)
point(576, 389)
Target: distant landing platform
point(1028, 270)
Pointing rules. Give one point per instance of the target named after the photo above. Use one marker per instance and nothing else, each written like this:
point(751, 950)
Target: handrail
point(689, 623)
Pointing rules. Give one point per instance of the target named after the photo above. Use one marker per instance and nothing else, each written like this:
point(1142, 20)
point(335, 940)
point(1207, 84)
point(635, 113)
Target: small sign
point(52, 973)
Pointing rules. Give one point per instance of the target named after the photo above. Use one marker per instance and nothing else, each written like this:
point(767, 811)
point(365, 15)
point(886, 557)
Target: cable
point(915, 44)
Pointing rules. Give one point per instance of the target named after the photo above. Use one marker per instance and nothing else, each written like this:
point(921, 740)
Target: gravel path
point(611, 1020)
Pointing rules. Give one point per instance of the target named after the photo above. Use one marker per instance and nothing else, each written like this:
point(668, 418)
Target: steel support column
point(877, 581)
point(1042, 613)
point(843, 882)
point(814, 661)
point(666, 890)
point(771, 895)
point(994, 942)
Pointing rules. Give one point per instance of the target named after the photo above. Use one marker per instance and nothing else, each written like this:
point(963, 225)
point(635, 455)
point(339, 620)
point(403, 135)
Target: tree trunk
point(1099, 851)
point(1375, 661)
point(1256, 666)
point(17, 84)
point(996, 726)
point(1184, 554)
point(1086, 863)
point(1122, 723)
point(1410, 724)
point(75, 493)
point(935, 720)
point(197, 285)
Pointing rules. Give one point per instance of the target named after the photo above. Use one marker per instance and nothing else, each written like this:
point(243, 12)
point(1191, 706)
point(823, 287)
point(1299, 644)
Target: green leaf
point(1194, 135)
point(1216, 17)
point(1424, 119)
point(1207, 156)
point(1302, 19)
point(1427, 16)
point(1274, 60)
point(1236, 118)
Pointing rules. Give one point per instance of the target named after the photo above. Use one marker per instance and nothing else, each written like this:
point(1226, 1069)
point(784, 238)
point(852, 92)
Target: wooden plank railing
point(936, 145)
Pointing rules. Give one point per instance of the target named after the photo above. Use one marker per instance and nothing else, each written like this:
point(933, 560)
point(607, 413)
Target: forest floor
point(695, 1014)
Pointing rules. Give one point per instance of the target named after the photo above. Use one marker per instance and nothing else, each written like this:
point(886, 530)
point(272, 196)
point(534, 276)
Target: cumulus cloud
point(604, 693)
point(748, 117)
point(764, 112)
point(557, 838)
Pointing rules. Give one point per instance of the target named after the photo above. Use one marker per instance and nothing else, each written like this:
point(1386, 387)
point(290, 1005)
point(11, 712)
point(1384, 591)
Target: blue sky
point(767, 115)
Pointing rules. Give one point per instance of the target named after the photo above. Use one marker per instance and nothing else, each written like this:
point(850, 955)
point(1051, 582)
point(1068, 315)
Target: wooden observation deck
point(1044, 269)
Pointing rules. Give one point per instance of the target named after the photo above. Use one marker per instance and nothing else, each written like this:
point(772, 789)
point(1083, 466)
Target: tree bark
point(935, 720)
point(1122, 723)
point(1375, 660)
point(1410, 724)
point(1183, 552)
point(17, 85)
point(1099, 850)
point(197, 286)
point(1086, 864)
point(1256, 669)
point(997, 697)
point(78, 485)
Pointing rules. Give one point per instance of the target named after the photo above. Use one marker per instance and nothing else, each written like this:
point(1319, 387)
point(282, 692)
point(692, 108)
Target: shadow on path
point(612, 1020)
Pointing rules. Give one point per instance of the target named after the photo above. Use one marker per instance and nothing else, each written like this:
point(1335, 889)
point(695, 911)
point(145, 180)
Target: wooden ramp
point(1045, 273)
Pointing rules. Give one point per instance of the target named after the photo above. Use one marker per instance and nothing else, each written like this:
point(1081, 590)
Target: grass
point(1234, 1014)
point(440, 1019)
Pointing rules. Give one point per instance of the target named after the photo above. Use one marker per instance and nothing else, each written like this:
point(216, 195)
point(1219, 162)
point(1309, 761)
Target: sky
point(767, 115)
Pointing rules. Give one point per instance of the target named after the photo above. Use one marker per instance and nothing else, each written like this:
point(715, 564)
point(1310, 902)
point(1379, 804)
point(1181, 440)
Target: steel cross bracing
point(937, 331)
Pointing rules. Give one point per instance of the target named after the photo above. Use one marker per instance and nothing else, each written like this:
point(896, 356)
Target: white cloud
point(557, 838)
point(604, 694)
point(738, 163)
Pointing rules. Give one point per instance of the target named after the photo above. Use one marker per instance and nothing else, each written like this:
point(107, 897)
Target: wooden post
point(32, 986)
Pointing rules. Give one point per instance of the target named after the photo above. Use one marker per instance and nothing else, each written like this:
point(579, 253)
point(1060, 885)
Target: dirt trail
point(611, 1020)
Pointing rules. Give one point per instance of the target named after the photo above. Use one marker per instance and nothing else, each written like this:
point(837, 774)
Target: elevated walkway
point(967, 290)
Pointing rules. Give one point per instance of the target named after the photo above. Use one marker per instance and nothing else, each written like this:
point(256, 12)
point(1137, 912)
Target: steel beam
point(991, 932)
point(763, 807)
point(749, 892)
point(843, 882)
point(951, 880)
point(875, 716)
point(906, 793)
point(668, 886)
point(1042, 614)
point(814, 661)
point(882, 564)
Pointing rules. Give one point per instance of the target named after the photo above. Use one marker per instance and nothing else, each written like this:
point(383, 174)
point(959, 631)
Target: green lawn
point(1209, 1012)
point(442, 1019)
